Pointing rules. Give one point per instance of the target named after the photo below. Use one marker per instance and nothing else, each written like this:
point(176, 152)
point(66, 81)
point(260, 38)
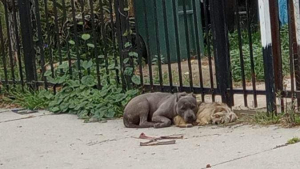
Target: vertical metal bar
point(27, 39)
point(67, 38)
point(167, 43)
point(276, 45)
point(57, 33)
point(297, 25)
point(138, 40)
point(40, 42)
point(64, 12)
point(95, 43)
point(175, 15)
point(291, 21)
point(158, 45)
point(103, 33)
point(296, 53)
point(266, 40)
point(3, 55)
point(76, 39)
point(18, 44)
point(12, 69)
point(188, 45)
point(120, 41)
point(198, 48)
point(48, 41)
point(206, 15)
point(221, 49)
point(113, 40)
point(148, 43)
point(82, 6)
point(253, 76)
point(241, 52)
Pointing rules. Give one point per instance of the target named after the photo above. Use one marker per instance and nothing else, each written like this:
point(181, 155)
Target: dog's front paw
point(188, 125)
point(157, 125)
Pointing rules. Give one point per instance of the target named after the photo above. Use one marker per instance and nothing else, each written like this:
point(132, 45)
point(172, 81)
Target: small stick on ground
point(156, 143)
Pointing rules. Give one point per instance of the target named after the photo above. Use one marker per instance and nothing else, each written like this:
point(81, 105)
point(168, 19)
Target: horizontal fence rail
point(214, 48)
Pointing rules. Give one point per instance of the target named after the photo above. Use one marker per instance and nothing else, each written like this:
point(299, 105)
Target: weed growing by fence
point(257, 54)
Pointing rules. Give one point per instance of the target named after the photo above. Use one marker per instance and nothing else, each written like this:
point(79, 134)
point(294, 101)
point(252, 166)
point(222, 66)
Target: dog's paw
point(188, 125)
point(157, 125)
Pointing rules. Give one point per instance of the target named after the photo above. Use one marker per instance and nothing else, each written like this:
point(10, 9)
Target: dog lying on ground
point(209, 113)
point(158, 110)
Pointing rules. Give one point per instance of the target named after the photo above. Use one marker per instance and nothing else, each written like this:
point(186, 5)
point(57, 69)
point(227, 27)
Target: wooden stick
point(155, 143)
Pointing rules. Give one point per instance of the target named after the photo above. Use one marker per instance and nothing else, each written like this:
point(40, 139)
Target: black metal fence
point(160, 45)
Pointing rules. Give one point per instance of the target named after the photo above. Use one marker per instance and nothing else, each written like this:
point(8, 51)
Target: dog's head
point(223, 115)
point(186, 107)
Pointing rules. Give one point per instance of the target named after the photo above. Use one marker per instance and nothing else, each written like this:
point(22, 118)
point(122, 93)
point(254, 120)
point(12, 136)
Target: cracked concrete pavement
point(42, 140)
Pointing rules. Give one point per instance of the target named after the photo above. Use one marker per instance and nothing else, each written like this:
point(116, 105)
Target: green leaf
point(87, 64)
point(91, 45)
point(128, 71)
point(126, 33)
point(47, 73)
point(86, 37)
point(119, 97)
point(71, 42)
point(133, 54)
point(125, 61)
point(110, 113)
point(132, 92)
point(101, 56)
point(64, 65)
point(62, 79)
point(111, 66)
point(88, 80)
point(52, 80)
point(127, 44)
point(64, 107)
point(54, 109)
point(136, 79)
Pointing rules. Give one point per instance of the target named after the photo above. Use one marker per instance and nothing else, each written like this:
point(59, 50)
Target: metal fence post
point(266, 40)
point(276, 47)
point(27, 40)
point(221, 49)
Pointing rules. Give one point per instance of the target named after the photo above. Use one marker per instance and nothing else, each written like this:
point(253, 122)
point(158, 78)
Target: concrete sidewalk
point(42, 140)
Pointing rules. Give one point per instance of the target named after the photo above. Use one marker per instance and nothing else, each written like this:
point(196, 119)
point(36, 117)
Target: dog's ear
point(179, 95)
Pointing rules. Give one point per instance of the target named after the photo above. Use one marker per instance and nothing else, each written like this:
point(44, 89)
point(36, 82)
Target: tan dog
point(209, 113)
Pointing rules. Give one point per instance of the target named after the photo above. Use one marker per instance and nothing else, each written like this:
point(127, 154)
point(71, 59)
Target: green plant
point(263, 119)
point(293, 140)
point(257, 55)
point(81, 97)
point(29, 99)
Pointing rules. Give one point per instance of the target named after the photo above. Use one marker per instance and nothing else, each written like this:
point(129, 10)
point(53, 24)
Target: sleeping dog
point(158, 110)
point(209, 113)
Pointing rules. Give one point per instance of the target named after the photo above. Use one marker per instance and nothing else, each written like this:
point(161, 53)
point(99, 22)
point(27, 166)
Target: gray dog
point(158, 109)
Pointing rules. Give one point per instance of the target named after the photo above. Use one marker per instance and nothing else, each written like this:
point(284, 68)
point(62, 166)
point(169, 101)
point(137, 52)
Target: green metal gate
point(152, 45)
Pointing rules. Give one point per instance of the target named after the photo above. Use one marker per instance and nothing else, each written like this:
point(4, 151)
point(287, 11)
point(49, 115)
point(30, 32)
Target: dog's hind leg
point(144, 123)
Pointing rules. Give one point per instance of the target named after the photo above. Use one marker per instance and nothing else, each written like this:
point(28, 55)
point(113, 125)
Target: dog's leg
point(144, 121)
point(179, 122)
point(161, 121)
